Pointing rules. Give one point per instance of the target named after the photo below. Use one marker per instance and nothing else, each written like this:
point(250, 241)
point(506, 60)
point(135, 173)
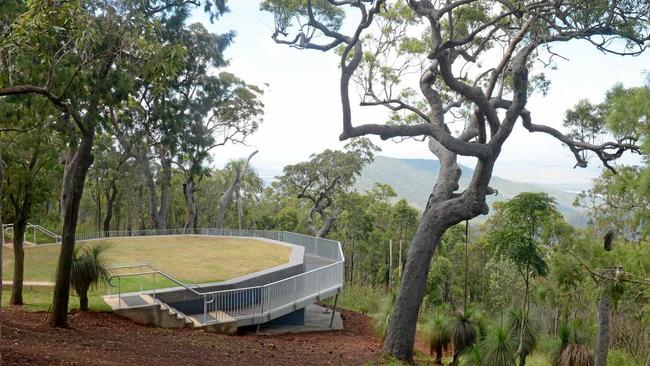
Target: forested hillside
point(413, 179)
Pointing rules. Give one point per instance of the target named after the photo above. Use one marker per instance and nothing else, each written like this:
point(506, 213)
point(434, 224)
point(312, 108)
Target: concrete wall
point(152, 315)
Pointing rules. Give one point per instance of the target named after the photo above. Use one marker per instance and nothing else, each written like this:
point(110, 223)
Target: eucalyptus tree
point(182, 121)
point(240, 172)
point(31, 157)
point(619, 201)
point(103, 179)
point(323, 179)
point(222, 110)
point(89, 55)
point(477, 61)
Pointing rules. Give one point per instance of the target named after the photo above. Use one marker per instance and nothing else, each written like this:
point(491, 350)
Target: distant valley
point(413, 180)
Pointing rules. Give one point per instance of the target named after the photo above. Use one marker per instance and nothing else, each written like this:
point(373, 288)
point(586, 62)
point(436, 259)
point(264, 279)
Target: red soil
point(106, 339)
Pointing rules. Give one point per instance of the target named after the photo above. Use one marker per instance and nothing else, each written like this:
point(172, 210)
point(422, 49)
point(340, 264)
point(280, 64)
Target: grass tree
point(89, 270)
point(527, 335)
point(381, 317)
point(464, 334)
point(571, 349)
point(498, 348)
point(438, 333)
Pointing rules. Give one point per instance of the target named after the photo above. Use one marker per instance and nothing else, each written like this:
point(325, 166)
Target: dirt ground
point(106, 339)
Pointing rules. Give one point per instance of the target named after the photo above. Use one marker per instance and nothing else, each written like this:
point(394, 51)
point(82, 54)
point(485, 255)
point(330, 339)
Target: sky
point(303, 113)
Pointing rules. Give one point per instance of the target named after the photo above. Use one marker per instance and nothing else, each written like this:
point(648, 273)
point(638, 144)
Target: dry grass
point(188, 258)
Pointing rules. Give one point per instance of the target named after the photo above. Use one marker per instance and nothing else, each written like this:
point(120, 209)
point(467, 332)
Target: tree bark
point(19, 227)
point(23, 209)
point(227, 196)
point(402, 324)
point(73, 184)
point(602, 342)
point(165, 188)
point(438, 359)
point(188, 192)
point(157, 214)
point(83, 302)
point(328, 221)
point(2, 229)
point(444, 210)
point(111, 195)
point(83, 299)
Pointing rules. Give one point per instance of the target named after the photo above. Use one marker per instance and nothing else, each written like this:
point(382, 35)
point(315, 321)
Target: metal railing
point(258, 302)
point(35, 228)
point(153, 271)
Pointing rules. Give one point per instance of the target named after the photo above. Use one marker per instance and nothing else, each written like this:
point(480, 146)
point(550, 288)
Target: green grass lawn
point(40, 300)
point(189, 259)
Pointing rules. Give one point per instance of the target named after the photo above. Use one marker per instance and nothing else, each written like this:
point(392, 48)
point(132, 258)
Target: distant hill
point(413, 180)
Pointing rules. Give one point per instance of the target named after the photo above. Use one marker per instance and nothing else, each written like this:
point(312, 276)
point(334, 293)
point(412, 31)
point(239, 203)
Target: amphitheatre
point(224, 279)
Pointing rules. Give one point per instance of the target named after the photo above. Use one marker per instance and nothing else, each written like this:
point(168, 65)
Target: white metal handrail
point(35, 228)
point(257, 301)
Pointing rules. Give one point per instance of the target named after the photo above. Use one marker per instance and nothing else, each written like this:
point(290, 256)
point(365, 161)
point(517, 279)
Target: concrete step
point(143, 309)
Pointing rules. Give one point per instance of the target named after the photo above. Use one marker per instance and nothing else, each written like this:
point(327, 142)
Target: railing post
point(205, 310)
point(119, 292)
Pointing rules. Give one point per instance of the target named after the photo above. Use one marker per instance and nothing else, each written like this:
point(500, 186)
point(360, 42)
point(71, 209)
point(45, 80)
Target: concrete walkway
point(317, 319)
point(29, 285)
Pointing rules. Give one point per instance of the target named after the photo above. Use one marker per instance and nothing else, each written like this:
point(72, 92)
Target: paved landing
point(128, 301)
point(315, 262)
point(317, 319)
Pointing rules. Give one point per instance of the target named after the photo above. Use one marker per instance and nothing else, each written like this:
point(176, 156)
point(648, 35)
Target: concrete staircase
point(144, 309)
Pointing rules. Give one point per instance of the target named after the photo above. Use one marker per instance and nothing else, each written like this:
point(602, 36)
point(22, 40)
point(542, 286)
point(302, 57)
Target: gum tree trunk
point(23, 209)
point(73, 184)
point(111, 195)
point(227, 196)
point(602, 342)
point(2, 233)
point(402, 324)
point(444, 210)
point(20, 226)
point(188, 192)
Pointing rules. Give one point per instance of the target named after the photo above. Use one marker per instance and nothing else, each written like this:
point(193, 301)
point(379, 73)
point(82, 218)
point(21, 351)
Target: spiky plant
point(498, 349)
point(575, 354)
point(527, 338)
point(438, 336)
point(89, 270)
point(473, 356)
point(564, 337)
point(571, 350)
point(464, 334)
point(381, 317)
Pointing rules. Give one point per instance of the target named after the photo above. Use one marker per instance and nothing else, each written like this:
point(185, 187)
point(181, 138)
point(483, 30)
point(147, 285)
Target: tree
point(83, 49)
point(323, 178)
point(31, 157)
point(212, 110)
point(490, 95)
point(89, 270)
point(516, 232)
point(619, 200)
point(233, 190)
